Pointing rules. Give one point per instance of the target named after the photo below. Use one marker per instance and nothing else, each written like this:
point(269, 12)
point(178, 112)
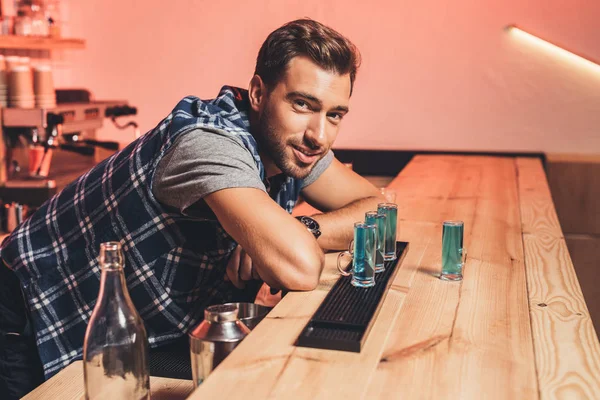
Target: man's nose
point(316, 134)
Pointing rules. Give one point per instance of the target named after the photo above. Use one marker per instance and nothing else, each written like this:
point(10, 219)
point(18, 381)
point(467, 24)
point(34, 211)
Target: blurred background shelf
point(40, 43)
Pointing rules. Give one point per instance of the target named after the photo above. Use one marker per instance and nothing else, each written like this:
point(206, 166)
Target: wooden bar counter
point(68, 385)
point(516, 327)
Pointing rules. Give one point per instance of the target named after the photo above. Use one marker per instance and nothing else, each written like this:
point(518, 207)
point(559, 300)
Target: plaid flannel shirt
point(174, 264)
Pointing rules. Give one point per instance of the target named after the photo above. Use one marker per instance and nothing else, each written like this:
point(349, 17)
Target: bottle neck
point(112, 280)
point(112, 284)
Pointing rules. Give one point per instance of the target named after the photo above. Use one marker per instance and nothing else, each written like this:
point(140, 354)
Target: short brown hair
point(306, 37)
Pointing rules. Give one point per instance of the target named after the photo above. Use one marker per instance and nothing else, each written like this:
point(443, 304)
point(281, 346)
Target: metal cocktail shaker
point(214, 339)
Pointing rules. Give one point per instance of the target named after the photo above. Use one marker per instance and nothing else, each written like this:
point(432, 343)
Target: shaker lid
point(221, 313)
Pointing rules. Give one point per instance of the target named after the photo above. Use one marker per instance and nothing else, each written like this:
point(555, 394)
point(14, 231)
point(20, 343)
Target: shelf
point(39, 43)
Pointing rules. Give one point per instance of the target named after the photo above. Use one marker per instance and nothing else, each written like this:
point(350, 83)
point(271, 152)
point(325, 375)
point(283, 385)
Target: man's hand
point(239, 268)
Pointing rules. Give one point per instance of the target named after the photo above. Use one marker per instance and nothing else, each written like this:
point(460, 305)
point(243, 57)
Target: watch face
point(310, 223)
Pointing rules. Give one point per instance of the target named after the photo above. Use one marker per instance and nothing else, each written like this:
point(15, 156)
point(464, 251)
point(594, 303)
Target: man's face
point(300, 117)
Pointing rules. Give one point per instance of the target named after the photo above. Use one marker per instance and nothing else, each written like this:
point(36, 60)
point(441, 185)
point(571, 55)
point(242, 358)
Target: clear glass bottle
point(115, 350)
point(53, 16)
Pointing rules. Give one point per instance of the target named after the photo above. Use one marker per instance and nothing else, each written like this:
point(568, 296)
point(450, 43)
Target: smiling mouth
point(306, 157)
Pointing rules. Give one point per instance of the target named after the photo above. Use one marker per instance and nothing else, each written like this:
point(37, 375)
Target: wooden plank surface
point(467, 339)
point(433, 339)
point(268, 356)
point(585, 254)
point(68, 385)
point(567, 351)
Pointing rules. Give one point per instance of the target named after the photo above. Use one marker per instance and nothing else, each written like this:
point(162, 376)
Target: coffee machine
point(30, 136)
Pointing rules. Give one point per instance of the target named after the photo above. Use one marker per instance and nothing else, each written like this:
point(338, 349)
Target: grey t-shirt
point(205, 161)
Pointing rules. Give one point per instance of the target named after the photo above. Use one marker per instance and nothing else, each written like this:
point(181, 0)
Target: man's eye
point(301, 104)
point(335, 117)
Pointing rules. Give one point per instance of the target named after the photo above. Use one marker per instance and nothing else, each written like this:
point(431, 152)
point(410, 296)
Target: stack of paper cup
point(43, 87)
point(20, 87)
point(12, 61)
point(3, 83)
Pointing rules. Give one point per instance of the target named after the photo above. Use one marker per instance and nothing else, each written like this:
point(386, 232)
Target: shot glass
point(373, 218)
point(362, 251)
point(390, 210)
point(454, 254)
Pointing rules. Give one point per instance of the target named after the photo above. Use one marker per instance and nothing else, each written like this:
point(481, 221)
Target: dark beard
point(276, 150)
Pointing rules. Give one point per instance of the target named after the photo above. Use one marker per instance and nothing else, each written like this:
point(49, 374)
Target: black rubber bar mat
point(344, 319)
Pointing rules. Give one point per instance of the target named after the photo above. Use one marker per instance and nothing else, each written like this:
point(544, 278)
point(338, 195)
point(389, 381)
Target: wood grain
point(567, 351)
point(313, 373)
point(433, 339)
point(268, 356)
point(472, 339)
point(68, 385)
point(585, 253)
point(258, 362)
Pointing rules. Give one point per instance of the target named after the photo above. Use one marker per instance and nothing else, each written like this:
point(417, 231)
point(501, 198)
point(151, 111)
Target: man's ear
point(256, 93)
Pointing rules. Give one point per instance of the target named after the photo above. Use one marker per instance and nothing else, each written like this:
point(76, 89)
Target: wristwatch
point(312, 225)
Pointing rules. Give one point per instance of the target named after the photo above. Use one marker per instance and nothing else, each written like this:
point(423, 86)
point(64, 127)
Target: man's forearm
point(337, 227)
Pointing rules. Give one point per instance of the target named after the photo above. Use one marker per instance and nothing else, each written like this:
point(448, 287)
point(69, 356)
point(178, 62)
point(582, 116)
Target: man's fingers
point(240, 268)
point(245, 270)
point(233, 266)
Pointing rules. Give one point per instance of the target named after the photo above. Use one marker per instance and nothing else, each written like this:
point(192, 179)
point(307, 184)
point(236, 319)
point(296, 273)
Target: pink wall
point(436, 74)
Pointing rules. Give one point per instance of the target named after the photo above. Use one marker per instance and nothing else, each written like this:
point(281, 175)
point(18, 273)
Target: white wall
point(436, 74)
